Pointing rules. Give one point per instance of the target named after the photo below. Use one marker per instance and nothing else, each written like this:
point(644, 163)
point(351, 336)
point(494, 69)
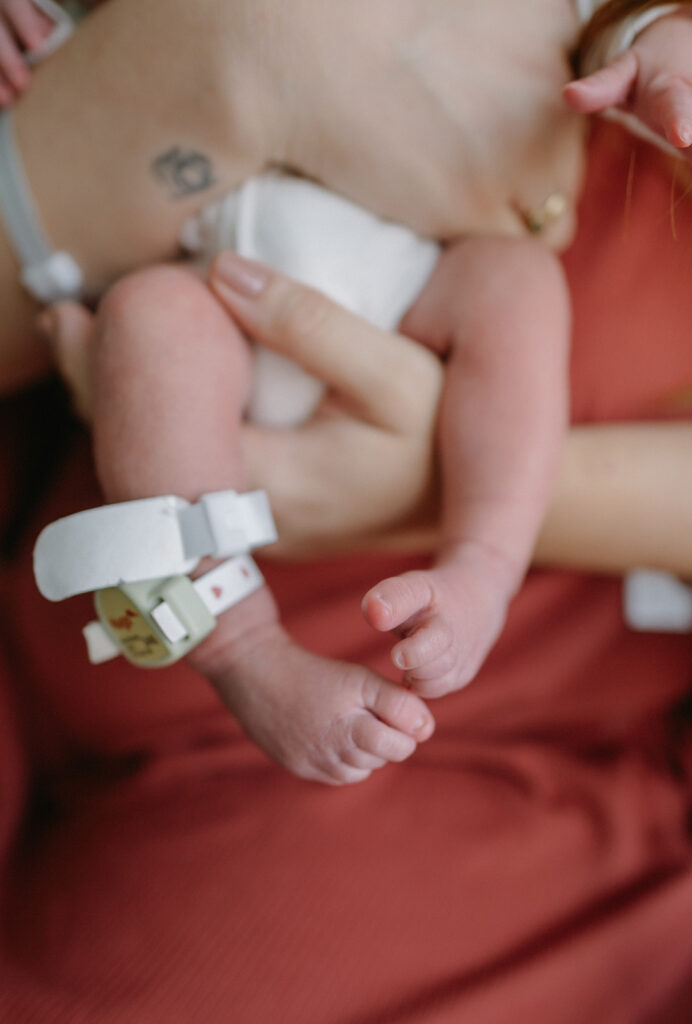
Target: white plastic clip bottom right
point(657, 602)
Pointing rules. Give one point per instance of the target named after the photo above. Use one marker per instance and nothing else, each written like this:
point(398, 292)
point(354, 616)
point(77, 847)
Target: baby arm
point(651, 80)
point(498, 309)
point(381, 422)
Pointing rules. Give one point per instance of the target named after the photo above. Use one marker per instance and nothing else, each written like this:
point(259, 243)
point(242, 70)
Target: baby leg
point(171, 379)
point(499, 309)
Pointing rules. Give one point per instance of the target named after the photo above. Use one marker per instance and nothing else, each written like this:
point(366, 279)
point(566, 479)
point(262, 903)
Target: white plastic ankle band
point(657, 602)
point(156, 622)
point(46, 274)
point(147, 539)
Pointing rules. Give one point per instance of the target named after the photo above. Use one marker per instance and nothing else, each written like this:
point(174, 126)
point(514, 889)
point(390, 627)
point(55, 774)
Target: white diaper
point(371, 266)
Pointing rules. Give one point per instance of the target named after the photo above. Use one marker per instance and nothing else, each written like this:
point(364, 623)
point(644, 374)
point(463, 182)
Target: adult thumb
point(67, 328)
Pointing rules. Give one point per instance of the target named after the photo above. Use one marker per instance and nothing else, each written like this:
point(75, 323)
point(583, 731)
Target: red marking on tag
point(217, 592)
point(244, 572)
point(125, 621)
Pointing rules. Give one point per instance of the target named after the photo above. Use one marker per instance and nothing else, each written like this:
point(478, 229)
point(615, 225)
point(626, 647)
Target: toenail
point(399, 660)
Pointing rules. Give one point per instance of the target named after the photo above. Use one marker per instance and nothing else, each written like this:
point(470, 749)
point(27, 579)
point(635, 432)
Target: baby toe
point(380, 742)
point(430, 641)
point(441, 676)
point(394, 601)
point(403, 711)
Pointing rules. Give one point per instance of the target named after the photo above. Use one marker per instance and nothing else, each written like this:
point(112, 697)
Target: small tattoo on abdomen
point(183, 171)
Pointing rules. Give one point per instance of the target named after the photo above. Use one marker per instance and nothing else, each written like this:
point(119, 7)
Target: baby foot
point(323, 720)
point(448, 617)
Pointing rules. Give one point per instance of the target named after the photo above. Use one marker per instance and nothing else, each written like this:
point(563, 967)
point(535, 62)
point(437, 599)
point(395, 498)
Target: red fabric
point(531, 862)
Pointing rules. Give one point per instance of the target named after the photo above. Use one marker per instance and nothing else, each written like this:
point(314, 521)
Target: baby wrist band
point(136, 556)
point(46, 274)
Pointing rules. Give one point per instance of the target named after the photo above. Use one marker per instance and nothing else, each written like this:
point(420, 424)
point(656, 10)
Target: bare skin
point(466, 173)
point(430, 680)
point(323, 720)
point(501, 307)
point(500, 312)
point(388, 423)
point(652, 80)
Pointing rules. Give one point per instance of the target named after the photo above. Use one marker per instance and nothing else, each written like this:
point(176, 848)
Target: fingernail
point(423, 728)
point(685, 136)
point(240, 275)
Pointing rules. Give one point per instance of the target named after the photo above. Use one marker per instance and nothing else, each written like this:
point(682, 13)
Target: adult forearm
point(623, 498)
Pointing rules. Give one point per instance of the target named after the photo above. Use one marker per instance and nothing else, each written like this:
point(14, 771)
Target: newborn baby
point(495, 307)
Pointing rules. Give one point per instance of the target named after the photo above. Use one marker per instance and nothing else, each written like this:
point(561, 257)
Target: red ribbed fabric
point(531, 863)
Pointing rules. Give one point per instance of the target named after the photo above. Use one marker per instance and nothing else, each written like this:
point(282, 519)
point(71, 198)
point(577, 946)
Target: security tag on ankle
point(152, 538)
point(154, 623)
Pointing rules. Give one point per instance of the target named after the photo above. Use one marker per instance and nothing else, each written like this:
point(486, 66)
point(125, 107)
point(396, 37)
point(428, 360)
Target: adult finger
point(11, 60)
point(667, 110)
point(388, 379)
point(608, 87)
point(67, 327)
point(29, 23)
point(7, 92)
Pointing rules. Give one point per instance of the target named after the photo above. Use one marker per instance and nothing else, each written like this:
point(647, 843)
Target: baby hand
point(23, 27)
point(652, 80)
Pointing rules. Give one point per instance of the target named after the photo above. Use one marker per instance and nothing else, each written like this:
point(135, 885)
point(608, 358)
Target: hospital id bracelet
point(147, 539)
point(154, 623)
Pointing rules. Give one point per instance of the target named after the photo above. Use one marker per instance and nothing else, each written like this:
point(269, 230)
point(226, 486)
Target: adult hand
point(359, 474)
point(652, 81)
point(364, 464)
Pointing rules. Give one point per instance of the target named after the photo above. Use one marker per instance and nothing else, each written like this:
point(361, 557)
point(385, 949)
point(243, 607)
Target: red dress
point(532, 862)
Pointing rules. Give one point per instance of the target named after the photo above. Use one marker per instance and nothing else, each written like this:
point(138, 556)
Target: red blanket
point(530, 863)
